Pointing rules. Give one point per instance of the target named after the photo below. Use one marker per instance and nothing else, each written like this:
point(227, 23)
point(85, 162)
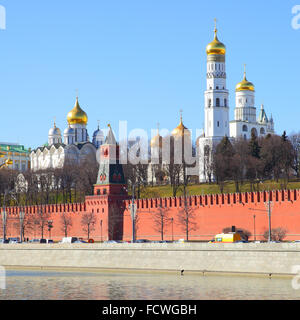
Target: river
point(42, 285)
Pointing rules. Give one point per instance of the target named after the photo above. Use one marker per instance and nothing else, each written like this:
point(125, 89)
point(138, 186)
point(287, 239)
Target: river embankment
point(259, 259)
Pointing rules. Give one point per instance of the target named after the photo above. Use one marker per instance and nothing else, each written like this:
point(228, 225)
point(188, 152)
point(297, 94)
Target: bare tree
point(66, 223)
point(277, 234)
point(186, 218)
point(40, 219)
point(295, 141)
point(161, 220)
point(88, 222)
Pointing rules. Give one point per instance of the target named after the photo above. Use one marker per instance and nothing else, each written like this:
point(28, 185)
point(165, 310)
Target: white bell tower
point(216, 94)
point(216, 108)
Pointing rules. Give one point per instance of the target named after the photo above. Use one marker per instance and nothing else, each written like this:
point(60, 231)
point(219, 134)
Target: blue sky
point(140, 61)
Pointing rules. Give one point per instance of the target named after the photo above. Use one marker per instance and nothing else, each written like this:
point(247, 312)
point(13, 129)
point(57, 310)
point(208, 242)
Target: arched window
point(254, 131)
point(262, 131)
point(225, 102)
point(209, 103)
point(218, 102)
point(217, 87)
point(206, 151)
point(245, 128)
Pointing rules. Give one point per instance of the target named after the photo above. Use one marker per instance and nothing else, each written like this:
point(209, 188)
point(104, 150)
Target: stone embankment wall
point(265, 259)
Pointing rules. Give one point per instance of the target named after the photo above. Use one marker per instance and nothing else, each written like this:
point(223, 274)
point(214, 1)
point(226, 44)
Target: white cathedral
point(73, 146)
point(217, 124)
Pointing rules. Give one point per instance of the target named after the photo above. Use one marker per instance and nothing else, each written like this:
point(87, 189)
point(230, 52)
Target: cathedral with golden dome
point(216, 109)
point(73, 146)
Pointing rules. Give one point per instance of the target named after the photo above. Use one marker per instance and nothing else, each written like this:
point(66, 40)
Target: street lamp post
point(101, 222)
point(4, 223)
point(50, 226)
point(133, 213)
point(172, 221)
point(22, 215)
point(254, 216)
point(269, 206)
point(4, 217)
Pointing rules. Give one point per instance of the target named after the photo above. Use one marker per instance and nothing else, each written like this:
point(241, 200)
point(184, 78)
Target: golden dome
point(245, 85)
point(181, 130)
point(156, 141)
point(216, 47)
point(77, 115)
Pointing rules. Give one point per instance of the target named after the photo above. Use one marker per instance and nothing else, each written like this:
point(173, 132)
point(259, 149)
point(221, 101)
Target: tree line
point(261, 158)
point(68, 184)
point(254, 161)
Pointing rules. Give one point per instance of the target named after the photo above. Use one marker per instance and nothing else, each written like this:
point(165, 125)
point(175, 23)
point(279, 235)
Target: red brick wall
point(212, 214)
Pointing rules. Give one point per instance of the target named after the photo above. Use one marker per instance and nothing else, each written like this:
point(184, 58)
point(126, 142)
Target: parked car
point(231, 237)
point(69, 240)
point(14, 240)
point(110, 241)
point(34, 241)
point(142, 241)
point(80, 241)
point(43, 241)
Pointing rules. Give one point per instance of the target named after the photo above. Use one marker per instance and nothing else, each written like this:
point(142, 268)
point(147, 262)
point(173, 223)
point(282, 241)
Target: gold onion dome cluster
point(245, 85)
point(77, 115)
point(216, 47)
point(181, 130)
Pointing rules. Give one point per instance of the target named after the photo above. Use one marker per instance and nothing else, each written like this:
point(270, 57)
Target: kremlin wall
point(211, 213)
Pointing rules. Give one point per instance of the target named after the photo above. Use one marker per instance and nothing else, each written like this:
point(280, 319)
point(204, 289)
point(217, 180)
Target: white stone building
point(74, 145)
point(217, 124)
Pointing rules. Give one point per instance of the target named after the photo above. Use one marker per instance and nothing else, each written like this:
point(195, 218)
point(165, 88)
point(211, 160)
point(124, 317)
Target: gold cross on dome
point(244, 70)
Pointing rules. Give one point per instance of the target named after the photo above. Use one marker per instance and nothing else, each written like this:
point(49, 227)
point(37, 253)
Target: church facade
point(73, 145)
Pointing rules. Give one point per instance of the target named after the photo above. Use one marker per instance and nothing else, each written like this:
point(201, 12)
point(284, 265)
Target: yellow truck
point(227, 238)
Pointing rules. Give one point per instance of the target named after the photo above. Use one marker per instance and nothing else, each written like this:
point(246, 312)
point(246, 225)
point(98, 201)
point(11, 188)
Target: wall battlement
point(210, 215)
point(218, 199)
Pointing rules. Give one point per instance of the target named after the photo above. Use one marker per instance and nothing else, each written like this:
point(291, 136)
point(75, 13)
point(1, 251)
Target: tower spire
point(216, 30)
point(181, 119)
